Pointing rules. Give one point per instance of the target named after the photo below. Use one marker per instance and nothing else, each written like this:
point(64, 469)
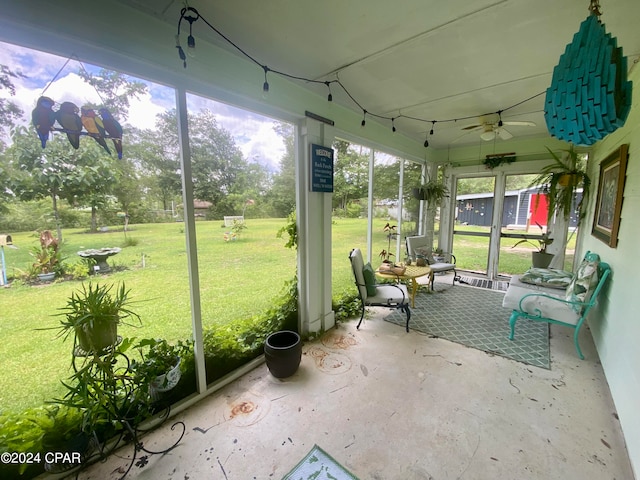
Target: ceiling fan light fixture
point(486, 136)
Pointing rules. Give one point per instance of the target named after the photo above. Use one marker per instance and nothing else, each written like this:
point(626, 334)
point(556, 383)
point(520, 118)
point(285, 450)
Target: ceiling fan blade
point(520, 124)
point(471, 127)
point(503, 133)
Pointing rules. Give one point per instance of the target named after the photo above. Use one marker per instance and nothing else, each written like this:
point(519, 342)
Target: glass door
point(472, 222)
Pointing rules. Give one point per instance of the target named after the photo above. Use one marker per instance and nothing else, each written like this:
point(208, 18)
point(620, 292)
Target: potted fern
point(562, 179)
point(433, 192)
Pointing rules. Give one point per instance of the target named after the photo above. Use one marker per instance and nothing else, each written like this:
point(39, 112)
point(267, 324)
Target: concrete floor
point(390, 405)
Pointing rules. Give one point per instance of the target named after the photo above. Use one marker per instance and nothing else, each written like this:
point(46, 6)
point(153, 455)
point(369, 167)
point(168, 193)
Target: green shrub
point(346, 305)
point(227, 347)
point(77, 270)
point(130, 242)
point(36, 430)
point(354, 210)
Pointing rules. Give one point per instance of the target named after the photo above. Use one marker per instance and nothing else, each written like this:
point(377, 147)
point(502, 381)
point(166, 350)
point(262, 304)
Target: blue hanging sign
point(321, 169)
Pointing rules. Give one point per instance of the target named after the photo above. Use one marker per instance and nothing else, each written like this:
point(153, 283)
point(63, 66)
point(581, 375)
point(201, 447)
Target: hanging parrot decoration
point(70, 121)
point(43, 118)
point(113, 128)
point(93, 124)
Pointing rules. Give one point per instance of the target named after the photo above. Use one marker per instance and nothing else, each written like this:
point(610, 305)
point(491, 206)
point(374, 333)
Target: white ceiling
point(432, 60)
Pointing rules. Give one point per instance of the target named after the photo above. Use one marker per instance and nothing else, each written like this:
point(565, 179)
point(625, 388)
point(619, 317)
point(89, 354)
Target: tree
point(9, 111)
point(156, 155)
point(282, 195)
point(220, 173)
point(58, 171)
point(115, 90)
point(350, 174)
point(217, 163)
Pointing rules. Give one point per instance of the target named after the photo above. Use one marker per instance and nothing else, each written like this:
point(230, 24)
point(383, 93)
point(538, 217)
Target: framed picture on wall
point(606, 220)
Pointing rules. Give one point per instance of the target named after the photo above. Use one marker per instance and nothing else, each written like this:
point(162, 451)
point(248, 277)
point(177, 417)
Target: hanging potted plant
point(93, 314)
point(562, 179)
point(433, 192)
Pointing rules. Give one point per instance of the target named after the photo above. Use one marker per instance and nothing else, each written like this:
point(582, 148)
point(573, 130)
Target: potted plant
point(93, 315)
point(386, 255)
point(48, 258)
point(540, 258)
point(433, 192)
point(562, 179)
point(159, 366)
point(387, 265)
point(103, 390)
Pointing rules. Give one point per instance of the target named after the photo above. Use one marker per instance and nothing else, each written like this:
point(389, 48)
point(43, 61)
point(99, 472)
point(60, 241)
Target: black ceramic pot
point(283, 352)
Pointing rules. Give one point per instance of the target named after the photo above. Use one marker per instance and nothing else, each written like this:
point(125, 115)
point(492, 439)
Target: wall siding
point(614, 324)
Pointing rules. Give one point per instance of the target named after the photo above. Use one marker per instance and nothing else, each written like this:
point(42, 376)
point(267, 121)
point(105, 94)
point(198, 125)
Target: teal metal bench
point(555, 308)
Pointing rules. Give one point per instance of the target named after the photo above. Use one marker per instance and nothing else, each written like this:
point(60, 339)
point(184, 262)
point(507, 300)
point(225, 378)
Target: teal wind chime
point(589, 96)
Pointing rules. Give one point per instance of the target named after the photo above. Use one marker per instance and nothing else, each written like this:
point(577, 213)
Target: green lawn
point(472, 252)
point(237, 280)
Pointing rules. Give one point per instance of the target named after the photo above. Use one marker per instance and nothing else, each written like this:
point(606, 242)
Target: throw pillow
point(547, 277)
point(369, 279)
point(584, 281)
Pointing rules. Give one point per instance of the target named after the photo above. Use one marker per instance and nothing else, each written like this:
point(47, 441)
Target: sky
point(253, 133)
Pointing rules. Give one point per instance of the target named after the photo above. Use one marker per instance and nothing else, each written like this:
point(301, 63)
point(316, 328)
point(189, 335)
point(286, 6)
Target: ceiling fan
point(492, 129)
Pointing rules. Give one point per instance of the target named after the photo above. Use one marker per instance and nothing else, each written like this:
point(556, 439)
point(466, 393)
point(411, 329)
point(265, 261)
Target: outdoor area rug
point(484, 283)
point(475, 317)
point(319, 465)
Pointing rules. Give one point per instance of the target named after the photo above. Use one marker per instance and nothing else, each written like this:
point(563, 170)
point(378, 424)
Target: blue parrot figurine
point(93, 124)
point(113, 128)
point(70, 121)
point(43, 118)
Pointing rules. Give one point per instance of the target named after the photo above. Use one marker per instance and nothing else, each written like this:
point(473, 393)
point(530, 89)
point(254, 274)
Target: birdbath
point(100, 256)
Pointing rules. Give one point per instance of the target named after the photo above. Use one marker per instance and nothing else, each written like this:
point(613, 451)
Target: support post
point(314, 235)
point(190, 230)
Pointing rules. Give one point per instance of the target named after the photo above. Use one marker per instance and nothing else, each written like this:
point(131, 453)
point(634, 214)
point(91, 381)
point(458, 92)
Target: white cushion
point(548, 307)
point(390, 294)
point(357, 265)
point(441, 267)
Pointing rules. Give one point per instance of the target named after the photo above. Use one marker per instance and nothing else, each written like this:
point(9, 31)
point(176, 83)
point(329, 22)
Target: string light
point(191, 15)
point(181, 54)
point(265, 85)
point(426, 141)
point(191, 41)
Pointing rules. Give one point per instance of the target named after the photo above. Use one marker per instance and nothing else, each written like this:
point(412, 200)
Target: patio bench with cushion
point(557, 296)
